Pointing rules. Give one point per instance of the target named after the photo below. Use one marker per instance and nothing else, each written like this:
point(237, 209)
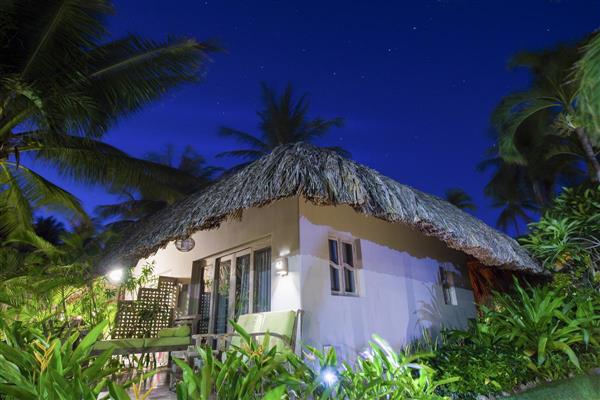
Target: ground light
point(329, 376)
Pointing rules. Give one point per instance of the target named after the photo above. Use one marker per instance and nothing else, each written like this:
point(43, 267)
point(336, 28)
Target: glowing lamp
point(281, 266)
point(329, 377)
point(116, 275)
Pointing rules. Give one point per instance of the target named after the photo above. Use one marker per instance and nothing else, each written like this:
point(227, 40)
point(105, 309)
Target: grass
point(585, 387)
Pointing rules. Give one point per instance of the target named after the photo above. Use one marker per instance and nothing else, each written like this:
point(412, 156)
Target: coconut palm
point(565, 88)
point(141, 204)
point(284, 119)
point(63, 84)
point(49, 229)
point(460, 199)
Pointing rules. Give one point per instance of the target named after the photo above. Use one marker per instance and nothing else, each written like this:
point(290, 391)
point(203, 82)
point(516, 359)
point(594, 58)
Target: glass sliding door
point(222, 286)
point(242, 285)
point(262, 280)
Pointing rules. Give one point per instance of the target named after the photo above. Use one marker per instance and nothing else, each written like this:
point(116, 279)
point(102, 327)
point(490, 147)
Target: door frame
point(212, 263)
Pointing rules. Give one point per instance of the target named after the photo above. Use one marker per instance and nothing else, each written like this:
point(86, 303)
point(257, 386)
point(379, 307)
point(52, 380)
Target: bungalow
point(305, 228)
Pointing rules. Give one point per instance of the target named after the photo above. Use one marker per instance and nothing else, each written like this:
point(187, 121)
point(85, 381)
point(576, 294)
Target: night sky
point(415, 81)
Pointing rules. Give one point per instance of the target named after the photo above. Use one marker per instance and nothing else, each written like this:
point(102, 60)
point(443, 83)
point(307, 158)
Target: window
point(447, 281)
point(342, 270)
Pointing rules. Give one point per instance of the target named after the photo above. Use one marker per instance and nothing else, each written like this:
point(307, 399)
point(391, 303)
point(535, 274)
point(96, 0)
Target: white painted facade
point(398, 285)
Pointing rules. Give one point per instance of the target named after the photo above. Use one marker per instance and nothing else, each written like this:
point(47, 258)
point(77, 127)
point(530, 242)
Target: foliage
point(54, 286)
point(284, 119)
point(543, 133)
point(380, 373)
point(485, 364)
point(560, 76)
point(139, 204)
point(254, 370)
point(566, 240)
point(246, 372)
point(547, 326)
point(460, 199)
point(34, 367)
point(63, 85)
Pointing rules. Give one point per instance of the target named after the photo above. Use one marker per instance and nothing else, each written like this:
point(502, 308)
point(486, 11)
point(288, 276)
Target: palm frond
point(127, 74)
point(244, 138)
point(587, 73)
point(247, 154)
point(510, 114)
point(93, 162)
point(44, 194)
point(15, 209)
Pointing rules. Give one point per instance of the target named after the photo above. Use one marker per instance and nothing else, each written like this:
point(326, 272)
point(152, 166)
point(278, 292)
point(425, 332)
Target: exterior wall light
point(281, 266)
point(116, 275)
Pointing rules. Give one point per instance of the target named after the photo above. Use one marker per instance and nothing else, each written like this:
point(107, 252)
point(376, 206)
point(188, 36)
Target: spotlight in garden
point(329, 376)
point(116, 275)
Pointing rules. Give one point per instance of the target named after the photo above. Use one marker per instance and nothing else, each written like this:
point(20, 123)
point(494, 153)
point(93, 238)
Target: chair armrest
point(221, 339)
point(271, 334)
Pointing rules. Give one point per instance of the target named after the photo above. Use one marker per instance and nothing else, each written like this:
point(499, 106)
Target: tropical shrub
point(34, 367)
point(547, 326)
point(248, 371)
point(484, 365)
point(379, 373)
point(566, 240)
point(256, 371)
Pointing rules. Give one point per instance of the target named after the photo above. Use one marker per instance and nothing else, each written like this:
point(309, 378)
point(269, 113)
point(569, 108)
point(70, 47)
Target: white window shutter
point(358, 253)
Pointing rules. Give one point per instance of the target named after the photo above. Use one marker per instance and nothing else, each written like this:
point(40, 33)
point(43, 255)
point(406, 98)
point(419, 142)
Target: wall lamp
point(281, 266)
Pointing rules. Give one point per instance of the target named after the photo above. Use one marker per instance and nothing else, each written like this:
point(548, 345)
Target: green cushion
point(179, 331)
point(251, 323)
point(281, 322)
point(167, 332)
point(119, 344)
point(167, 341)
point(183, 330)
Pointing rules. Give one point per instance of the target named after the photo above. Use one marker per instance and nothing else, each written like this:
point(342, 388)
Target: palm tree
point(283, 120)
point(49, 229)
point(143, 203)
point(63, 84)
point(460, 199)
point(565, 88)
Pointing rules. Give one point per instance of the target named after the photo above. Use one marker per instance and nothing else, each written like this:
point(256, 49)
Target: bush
point(483, 370)
point(547, 326)
point(253, 372)
point(34, 367)
point(566, 240)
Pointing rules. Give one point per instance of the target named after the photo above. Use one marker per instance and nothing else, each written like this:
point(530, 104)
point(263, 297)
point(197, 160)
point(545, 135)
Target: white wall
point(398, 285)
point(275, 225)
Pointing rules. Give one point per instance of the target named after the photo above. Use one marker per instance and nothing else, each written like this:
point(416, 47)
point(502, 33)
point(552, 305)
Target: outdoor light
point(281, 266)
point(116, 275)
point(329, 376)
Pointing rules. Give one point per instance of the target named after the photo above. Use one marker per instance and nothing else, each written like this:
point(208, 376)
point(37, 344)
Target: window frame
point(448, 286)
point(342, 265)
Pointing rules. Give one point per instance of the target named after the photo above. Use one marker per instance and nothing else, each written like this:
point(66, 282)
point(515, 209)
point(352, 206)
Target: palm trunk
point(590, 156)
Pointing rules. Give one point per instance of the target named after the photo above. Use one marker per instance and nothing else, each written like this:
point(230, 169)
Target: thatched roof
point(322, 177)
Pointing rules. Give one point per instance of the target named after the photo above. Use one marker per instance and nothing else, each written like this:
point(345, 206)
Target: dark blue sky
point(415, 80)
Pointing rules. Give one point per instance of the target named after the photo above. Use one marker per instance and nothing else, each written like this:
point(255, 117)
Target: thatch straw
point(322, 177)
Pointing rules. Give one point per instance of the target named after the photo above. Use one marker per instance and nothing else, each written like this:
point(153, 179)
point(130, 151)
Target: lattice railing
point(152, 311)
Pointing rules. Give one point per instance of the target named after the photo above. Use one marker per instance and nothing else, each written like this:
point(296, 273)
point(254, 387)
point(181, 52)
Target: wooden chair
point(281, 326)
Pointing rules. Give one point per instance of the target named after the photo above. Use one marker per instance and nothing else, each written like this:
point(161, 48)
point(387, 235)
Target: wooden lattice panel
point(169, 288)
point(152, 311)
point(204, 313)
point(126, 320)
